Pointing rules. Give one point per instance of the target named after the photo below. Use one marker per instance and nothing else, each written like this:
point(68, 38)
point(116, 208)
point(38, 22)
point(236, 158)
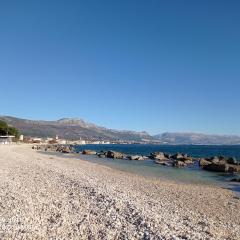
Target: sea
point(193, 174)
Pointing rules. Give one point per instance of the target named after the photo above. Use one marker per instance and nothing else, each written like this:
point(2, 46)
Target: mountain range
point(75, 129)
point(198, 139)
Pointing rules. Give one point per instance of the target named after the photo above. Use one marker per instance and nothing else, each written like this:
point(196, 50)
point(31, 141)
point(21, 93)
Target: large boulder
point(233, 168)
point(216, 160)
point(158, 156)
point(217, 167)
point(182, 157)
point(220, 164)
point(136, 157)
point(179, 163)
point(59, 149)
point(101, 154)
point(187, 161)
point(163, 163)
point(235, 180)
point(89, 152)
point(204, 162)
point(66, 150)
point(177, 156)
point(232, 160)
point(113, 154)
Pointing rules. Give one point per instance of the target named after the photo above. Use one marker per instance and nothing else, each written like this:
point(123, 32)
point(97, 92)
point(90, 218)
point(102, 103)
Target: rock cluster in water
point(55, 148)
point(177, 160)
point(220, 164)
point(215, 164)
point(235, 180)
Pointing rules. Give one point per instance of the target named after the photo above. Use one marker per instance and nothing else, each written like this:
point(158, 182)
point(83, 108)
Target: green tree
point(3, 127)
point(13, 131)
point(8, 130)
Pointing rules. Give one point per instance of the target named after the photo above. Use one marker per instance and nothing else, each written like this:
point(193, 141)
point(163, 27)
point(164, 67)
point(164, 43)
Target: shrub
point(5, 129)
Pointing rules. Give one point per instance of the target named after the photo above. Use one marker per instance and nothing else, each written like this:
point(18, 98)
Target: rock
point(220, 164)
point(163, 163)
point(133, 157)
point(136, 157)
point(89, 152)
point(187, 161)
point(36, 147)
point(216, 167)
point(158, 156)
point(232, 160)
point(183, 157)
point(177, 156)
point(101, 155)
point(60, 148)
point(113, 154)
point(178, 163)
point(168, 156)
point(215, 160)
point(66, 150)
point(204, 162)
point(235, 180)
point(233, 168)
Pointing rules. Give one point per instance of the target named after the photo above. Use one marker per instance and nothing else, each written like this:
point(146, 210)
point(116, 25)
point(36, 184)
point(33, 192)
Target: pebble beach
point(53, 197)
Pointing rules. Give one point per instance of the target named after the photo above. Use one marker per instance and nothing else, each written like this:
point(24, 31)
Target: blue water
point(192, 150)
point(148, 168)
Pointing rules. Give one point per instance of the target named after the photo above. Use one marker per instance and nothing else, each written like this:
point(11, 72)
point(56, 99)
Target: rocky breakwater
point(103, 154)
point(176, 160)
point(114, 155)
point(89, 152)
point(55, 148)
point(65, 149)
point(111, 154)
point(137, 157)
point(220, 164)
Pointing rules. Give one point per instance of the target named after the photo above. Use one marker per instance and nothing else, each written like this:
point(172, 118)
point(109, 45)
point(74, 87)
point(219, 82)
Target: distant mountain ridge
point(198, 139)
point(75, 129)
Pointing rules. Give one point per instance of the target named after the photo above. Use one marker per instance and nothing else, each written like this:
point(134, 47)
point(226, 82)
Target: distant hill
point(197, 138)
point(74, 129)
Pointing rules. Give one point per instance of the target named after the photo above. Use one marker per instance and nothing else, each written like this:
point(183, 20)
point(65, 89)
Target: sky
point(131, 64)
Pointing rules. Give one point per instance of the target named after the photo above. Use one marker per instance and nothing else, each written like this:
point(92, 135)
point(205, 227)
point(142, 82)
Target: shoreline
point(80, 157)
point(60, 197)
point(186, 175)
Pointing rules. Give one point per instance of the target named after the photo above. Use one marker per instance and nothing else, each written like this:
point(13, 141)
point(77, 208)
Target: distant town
point(56, 140)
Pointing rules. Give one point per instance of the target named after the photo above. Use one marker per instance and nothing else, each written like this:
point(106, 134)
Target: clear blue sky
point(141, 65)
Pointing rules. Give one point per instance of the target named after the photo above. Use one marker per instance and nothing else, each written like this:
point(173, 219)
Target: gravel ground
point(52, 197)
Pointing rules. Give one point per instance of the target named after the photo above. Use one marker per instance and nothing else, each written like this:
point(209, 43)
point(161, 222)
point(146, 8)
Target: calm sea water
point(192, 150)
point(148, 168)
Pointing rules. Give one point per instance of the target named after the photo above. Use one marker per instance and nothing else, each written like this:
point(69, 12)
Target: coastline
point(58, 197)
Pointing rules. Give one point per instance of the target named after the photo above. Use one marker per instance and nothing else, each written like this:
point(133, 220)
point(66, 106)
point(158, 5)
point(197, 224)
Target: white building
point(81, 142)
point(6, 139)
